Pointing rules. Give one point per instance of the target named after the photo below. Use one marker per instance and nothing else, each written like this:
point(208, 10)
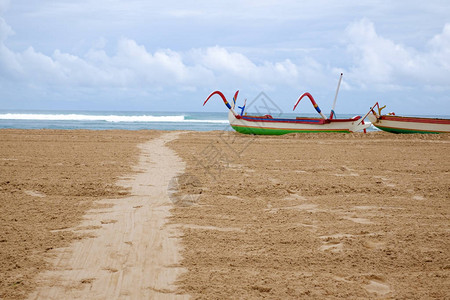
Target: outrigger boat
point(267, 125)
point(398, 124)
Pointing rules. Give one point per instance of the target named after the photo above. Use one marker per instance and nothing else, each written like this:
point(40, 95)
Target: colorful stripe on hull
point(415, 120)
point(405, 130)
point(280, 131)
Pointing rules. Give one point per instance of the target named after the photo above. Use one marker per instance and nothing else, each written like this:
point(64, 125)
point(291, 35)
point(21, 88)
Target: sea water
point(128, 120)
point(103, 120)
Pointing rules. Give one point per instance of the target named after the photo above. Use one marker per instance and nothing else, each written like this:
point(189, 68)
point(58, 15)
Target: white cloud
point(5, 30)
point(235, 67)
point(133, 66)
point(381, 63)
point(440, 47)
point(377, 63)
point(274, 60)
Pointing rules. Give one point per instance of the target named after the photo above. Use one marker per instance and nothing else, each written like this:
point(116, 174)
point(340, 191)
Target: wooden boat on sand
point(268, 125)
point(399, 124)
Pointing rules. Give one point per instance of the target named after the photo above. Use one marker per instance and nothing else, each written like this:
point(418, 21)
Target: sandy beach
point(49, 179)
point(142, 214)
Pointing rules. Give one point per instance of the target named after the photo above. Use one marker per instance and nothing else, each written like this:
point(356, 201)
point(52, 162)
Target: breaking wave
point(105, 118)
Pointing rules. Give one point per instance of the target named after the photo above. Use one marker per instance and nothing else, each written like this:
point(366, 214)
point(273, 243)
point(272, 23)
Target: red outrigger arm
point(235, 97)
point(221, 95)
point(224, 99)
point(312, 101)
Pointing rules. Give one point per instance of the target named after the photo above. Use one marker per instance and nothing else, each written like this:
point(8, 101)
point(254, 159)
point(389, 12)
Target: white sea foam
point(106, 118)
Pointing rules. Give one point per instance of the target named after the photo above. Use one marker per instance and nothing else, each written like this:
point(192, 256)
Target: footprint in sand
point(385, 181)
point(35, 194)
point(347, 172)
point(331, 242)
point(300, 171)
point(377, 285)
point(415, 197)
point(332, 246)
point(309, 226)
point(358, 220)
point(337, 236)
point(308, 207)
point(294, 197)
point(202, 227)
point(373, 245)
point(108, 222)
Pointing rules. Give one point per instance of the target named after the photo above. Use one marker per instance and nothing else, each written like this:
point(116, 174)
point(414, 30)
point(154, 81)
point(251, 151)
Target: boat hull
point(264, 125)
point(398, 124)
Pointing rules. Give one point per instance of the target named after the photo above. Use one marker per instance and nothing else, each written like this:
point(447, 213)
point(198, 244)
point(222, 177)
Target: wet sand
point(297, 216)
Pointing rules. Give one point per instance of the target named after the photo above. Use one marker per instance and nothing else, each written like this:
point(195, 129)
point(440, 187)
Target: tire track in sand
point(132, 253)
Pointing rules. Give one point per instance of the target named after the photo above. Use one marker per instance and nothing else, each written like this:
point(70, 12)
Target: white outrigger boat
point(399, 124)
point(267, 125)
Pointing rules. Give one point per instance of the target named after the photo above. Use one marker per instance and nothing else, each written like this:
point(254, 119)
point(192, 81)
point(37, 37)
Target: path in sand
point(132, 253)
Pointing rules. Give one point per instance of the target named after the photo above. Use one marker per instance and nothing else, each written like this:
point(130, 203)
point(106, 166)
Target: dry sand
point(131, 252)
point(48, 180)
point(297, 216)
point(315, 216)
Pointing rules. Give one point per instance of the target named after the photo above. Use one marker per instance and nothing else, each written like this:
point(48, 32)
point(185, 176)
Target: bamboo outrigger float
point(267, 125)
point(398, 124)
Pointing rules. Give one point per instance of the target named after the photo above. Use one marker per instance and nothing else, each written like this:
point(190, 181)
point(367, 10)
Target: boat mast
point(332, 114)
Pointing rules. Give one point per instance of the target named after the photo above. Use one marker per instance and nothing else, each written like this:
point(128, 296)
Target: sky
point(170, 55)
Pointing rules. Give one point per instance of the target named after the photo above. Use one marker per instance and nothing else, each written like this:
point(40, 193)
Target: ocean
point(105, 120)
point(128, 120)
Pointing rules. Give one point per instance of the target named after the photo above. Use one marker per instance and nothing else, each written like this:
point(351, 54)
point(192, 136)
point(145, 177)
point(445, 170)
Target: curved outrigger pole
point(332, 114)
point(313, 103)
point(224, 100)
